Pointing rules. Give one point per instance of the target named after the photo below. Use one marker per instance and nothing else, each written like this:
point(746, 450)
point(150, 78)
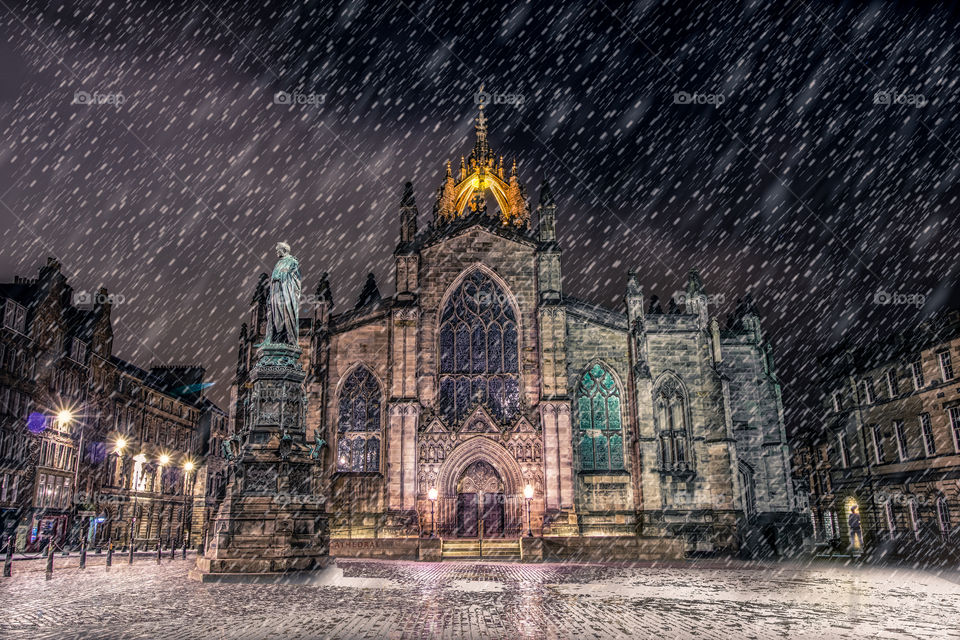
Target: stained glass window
point(360, 402)
point(671, 413)
point(479, 352)
point(601, 426)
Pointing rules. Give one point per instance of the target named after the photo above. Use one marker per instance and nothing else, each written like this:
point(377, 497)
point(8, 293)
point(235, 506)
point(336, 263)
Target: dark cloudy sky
point(802, 186)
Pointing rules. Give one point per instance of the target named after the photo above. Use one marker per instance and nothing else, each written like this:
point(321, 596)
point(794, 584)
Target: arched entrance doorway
point(480, 502)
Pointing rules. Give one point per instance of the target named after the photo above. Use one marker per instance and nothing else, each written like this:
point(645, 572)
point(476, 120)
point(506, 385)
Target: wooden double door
point(479, 515)
point(480, 502)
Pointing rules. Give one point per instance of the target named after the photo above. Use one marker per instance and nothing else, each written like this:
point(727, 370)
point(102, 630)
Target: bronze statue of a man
point(283, 326)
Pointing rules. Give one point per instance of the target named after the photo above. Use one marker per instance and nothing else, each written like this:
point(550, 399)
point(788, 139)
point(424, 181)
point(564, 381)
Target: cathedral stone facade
point(481, 401)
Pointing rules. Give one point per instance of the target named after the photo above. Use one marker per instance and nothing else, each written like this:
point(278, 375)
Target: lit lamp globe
point(64, 417)
point(528, 492)
point(432, 494)
point(120, 445)
point(188, 466)
point(164, 460)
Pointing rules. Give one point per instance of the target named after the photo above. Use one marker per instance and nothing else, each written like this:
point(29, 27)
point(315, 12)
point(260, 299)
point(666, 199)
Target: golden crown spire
point(478, 174)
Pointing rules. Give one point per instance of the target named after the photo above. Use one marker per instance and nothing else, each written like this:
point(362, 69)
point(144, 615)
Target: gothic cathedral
point(481, 401)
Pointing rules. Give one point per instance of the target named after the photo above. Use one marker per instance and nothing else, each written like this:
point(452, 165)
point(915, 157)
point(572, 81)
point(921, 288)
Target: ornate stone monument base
point(273, 523)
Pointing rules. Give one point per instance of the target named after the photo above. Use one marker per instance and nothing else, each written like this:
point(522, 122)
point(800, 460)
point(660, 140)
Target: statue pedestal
point(272, 521)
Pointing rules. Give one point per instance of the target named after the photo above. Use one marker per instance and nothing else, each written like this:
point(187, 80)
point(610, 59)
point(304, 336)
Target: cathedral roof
point(464, 195)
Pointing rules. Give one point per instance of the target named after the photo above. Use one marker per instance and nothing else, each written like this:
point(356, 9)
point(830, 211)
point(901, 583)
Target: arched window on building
point(359, 423)
point(914, 518)
point(600, 442)
point(943, 516)
point(670, 407)
point(479, 351)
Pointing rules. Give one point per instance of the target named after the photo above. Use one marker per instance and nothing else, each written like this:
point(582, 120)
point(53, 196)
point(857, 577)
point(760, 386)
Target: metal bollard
point(83, 553)
point(110, 554)
point(185, 548)
point(8, 559)
point(173, 551)
point(50, 560)
point(159, 552)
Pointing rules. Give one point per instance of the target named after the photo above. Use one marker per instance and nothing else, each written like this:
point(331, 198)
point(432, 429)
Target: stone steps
point(501, 549)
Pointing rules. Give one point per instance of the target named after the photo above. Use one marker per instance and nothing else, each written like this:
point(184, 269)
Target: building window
point(891, 517)
point(900, 434)
point(601, 427)
point(893, 388)
point(914, 519)
point(359, 423)
point(479, 351)
point(916, 371)
point(78, 351)
point(670, 405)
point(15, 316)
point(867, 391)
point(946, 365)
point(926, 433)
point(878, 444)
point(842, 449)
point(943, 516)
point(955, 427)
point(838, 402)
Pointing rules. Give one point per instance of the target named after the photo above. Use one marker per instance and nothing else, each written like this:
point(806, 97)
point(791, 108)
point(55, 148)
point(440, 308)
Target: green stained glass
point(602, 453)
point(599, 412)
point(586, 382)
point(616, 452)
point(584, 412)
point(608, 381)
point(598, 402)
point(586, 453)
point(613, 412)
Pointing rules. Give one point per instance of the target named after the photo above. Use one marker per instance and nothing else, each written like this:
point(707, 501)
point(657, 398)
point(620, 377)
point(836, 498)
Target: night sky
point(802, 187)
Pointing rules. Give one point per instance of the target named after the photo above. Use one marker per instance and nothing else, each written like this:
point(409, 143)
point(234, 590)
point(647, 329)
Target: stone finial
point(323, 292)
point(370, 293)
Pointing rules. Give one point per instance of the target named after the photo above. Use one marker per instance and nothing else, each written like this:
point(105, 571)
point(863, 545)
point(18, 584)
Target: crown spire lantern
point(479, 173)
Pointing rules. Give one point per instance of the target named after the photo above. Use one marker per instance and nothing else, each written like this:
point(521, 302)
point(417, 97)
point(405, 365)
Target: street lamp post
point(118, 448)
point(162, 461)
point(528, 494)
point(64, 420)
point(187, 468)
point(138, 459)
point(432, 494)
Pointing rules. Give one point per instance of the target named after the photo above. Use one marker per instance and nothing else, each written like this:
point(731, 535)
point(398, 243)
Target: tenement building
point(90, 445)
point(890, 445)
point(481, 402)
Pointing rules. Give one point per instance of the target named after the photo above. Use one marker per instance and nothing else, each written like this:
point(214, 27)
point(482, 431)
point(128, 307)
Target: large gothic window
point(358, 423)
point(479, 352)
point(601, 428)
point(670, 405)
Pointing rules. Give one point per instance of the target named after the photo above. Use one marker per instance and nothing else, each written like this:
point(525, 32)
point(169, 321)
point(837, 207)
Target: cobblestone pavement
point(374, 599)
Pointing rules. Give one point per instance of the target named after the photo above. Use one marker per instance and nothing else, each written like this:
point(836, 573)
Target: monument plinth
point(273, 521)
